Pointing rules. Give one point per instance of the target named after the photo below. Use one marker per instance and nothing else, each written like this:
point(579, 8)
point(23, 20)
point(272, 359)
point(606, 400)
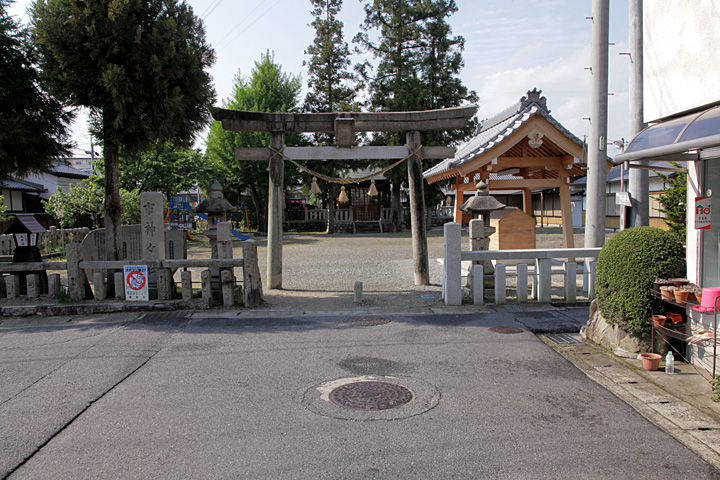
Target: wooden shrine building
point(521, 148)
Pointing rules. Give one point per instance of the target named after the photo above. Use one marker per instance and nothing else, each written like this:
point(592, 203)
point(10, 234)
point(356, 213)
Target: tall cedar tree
point(268, 89)
point(419, 63)
point(139, 66)
point(332, 88)
point(33, 124)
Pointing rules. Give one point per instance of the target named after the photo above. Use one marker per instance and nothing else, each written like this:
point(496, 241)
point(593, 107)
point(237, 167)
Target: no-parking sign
point(136, 284)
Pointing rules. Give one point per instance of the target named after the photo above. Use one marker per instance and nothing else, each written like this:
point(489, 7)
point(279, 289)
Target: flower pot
point(659, 320)
point(698, 297)
point(681, 296)
point(667, 293)
point(651, 361)
point(675, 317)
point(679, 281)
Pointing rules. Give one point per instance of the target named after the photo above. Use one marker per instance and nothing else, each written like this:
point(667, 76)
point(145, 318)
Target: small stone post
point(570, 282)
point(452, 290)
point(228, 290)
point(500, 284)
point(3, 290)
point(119, 285)
point(186, 279)
point(12, 284)
point(252, 283)
point(54, 285)
point(76, 277)
point(478, 289)
point(206, 288)
point(522, 283)
point(99, 283)
point(33, 285)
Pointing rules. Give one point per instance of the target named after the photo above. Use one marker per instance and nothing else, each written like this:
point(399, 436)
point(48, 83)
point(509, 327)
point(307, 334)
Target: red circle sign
point(136, 280)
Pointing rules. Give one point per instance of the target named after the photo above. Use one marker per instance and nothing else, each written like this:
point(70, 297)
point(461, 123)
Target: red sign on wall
point(702, 213)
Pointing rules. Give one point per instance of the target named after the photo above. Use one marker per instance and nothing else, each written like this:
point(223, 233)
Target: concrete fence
point(541, 288)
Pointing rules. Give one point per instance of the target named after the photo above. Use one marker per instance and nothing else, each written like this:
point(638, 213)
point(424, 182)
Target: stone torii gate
point(344, 125)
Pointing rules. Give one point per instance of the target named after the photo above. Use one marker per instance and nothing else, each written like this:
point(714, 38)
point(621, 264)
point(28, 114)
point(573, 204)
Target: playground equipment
point(180, 212)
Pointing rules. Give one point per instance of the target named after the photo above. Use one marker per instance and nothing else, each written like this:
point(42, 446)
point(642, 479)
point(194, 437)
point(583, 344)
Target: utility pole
point(639, 183)
point(597, 140)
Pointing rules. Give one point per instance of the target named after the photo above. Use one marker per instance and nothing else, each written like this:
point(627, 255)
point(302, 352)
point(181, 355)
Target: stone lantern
point(482, 204)
point(216, 208)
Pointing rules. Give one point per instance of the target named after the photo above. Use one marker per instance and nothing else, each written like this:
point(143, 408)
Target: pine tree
point(332, 88)
point(33, 124)
point(139, 66)
point(268, 89)
point(419, 63)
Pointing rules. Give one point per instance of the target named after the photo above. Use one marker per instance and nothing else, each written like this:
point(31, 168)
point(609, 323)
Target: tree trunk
point(113, 209)
point(260, 209)
point(396, 208)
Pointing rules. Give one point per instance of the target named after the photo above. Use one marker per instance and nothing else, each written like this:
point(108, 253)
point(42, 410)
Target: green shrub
point(626, 268)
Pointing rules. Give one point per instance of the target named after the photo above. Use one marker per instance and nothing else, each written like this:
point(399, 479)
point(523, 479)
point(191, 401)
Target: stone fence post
point(252, 283)
point(452, 290)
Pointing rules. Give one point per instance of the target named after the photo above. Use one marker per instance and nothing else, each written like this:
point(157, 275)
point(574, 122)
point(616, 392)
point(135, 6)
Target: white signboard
point(702, 213)
point(136, 283)
point(623, 198)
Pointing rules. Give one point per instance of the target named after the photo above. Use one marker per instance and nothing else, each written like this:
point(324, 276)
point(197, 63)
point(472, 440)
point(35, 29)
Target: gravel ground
point(319, 270)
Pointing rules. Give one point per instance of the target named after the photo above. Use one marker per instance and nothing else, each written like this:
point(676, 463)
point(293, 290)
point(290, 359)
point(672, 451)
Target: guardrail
point(541, 288)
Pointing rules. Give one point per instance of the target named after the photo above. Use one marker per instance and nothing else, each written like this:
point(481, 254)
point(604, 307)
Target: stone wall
point(612, 337)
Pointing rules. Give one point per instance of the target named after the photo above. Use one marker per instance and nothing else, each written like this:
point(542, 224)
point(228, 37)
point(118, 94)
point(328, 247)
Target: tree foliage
point(267, 89)
point(85, 198)
point(139, 66)
point(419, 62)
point(674, 202)
point(626, 268)
point(332, 88)
point(33, 124)
point(164, 168)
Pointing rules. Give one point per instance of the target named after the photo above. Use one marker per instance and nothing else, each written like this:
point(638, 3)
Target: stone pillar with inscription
point(152, 235)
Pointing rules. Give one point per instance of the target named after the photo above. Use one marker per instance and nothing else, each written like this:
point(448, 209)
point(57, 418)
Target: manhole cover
point(363, 321)
point(370, 395)
point(506, 330)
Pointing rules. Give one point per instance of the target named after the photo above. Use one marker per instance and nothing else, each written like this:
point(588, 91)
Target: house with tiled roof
point(25, 195)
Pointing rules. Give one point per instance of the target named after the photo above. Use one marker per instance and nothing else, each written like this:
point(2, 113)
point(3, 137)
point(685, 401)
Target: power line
point(213, 8)
point(202, 15)
point(246, 28)
point(241, 22)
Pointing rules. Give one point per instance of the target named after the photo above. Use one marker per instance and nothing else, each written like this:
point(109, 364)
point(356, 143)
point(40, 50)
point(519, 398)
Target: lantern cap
point(481, 203)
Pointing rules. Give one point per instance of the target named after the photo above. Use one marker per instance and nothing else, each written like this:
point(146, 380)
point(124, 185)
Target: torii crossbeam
point(344, 125)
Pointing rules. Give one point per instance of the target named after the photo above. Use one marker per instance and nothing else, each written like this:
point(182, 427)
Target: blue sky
point(511, 46)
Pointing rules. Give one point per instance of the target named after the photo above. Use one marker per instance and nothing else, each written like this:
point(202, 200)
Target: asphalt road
point(241, 397)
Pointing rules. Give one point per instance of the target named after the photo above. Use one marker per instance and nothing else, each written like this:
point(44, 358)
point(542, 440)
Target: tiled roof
point(496, 129)
point(62, 169)
point(21, 185)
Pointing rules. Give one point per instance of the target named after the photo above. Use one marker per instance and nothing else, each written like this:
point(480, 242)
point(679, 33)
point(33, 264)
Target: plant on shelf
point(626, 268)
point(716, 389)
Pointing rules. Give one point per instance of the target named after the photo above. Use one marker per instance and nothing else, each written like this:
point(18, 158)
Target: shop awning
point(677, 139)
